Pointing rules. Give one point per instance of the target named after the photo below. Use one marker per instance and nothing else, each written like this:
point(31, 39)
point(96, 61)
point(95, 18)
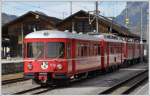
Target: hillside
point(134, 15)
point(7, 18)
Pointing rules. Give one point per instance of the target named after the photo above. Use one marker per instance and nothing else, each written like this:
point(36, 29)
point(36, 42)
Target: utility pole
point(147, 40)
point(70, 7)
point(141, 33)
point(22, 39)
point(147, 26)
point(96, 16)
point(63, 14)
point(97, 13)
point(126, 20)
point(72, 23)
point(111, 27)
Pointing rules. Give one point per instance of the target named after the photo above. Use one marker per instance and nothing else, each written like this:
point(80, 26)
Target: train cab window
point(55, 50)
point(35, 50)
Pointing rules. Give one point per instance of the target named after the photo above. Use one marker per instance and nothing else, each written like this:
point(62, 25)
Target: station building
point(13, 31)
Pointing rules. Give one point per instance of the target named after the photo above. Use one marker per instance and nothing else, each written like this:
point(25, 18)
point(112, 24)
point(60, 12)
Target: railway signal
point(127, 21)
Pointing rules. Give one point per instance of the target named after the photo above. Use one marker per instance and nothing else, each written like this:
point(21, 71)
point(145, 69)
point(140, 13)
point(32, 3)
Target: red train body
point(55, 55)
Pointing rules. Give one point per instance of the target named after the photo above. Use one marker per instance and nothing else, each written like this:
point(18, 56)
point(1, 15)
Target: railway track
point(127, 86)
point(13, 81)
point(40, 90)
point(28, 90)
point(34, 91)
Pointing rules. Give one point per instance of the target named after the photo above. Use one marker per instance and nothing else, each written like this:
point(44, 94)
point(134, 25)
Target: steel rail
point(28, 90)
point(43, 91)
point(4, 82)
point(134, 81)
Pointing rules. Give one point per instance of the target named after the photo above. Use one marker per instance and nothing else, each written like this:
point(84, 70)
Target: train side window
point(94, 50)
point(99, 50)
point(85, 50)
point(78, 50)
point(88, 50)
point(111, 50)
point(68, 50)
point(82, 50)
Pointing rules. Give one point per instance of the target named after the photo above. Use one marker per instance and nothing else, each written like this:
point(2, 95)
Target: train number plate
point(42, 74)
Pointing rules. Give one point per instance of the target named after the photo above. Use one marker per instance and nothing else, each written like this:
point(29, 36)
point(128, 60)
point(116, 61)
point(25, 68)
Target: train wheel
point(111, 69)
point(114, 68)
point(107, 70)
point(35, 81)
point(44, 85)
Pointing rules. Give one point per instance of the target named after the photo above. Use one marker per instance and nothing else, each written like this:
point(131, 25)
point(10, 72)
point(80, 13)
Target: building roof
point(51, 20)
point(121, 30)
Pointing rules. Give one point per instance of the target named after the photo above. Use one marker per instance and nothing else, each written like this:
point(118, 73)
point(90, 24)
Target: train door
point(107, 53)
point(70, 56)
point(73, 54)
point(102, 54)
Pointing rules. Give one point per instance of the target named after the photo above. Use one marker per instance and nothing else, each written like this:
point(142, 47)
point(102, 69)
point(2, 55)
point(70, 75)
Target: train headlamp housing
point(30, 66)
point(59, 66)
point(44, 65)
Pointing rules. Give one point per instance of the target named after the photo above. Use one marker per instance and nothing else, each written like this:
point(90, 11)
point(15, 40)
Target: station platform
point(14, 60)
point(12, 66)
point(12, 76)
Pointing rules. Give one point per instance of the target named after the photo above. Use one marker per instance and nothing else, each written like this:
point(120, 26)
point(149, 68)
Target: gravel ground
point(91, 86)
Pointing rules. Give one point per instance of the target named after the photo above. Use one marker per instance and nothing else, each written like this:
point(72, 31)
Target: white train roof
point(62, 34)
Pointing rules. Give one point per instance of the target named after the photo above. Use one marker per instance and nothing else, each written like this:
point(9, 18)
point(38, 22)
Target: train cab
point(45, 55)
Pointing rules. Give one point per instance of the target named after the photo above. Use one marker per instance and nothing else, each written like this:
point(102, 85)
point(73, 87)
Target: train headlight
point(30, 66)
point(44, 65)
point(59, 66)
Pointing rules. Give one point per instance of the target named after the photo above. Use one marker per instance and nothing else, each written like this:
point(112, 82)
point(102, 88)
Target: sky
point(62, 9)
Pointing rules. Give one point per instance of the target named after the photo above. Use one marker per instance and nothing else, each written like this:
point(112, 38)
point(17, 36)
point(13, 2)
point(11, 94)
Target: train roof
point(63, 34)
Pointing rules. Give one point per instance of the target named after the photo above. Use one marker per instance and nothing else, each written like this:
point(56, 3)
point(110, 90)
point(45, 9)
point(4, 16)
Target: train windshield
point(55, 50)
point(35, 50)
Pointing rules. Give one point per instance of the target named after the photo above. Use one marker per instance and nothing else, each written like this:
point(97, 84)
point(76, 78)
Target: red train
point(54, 56)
